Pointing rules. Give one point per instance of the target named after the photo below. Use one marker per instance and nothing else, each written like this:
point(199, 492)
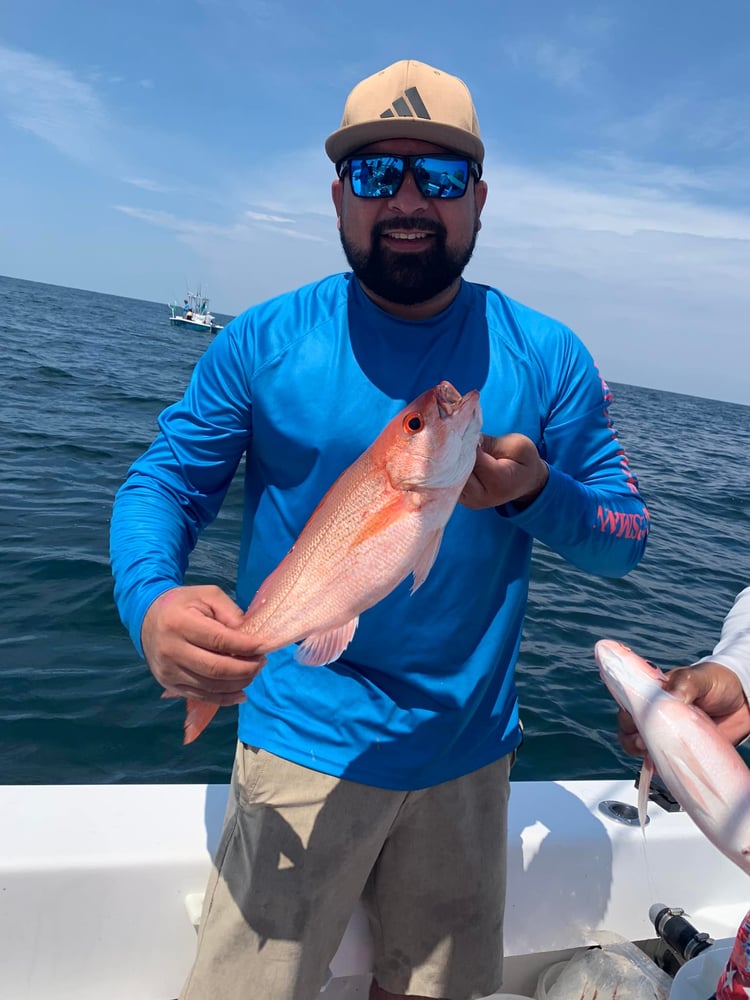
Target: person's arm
point(733, 648)
point(576, 492)
point(187, 634)
point(718, 684)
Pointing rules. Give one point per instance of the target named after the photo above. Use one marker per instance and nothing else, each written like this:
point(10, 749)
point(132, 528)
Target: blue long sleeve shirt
point(301, 385)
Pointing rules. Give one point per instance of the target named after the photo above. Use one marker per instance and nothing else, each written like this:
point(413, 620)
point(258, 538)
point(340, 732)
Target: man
point(719, 684)
point(385, 774)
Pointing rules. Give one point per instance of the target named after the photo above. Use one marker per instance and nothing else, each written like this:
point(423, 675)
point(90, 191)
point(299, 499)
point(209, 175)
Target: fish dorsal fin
point(426, 558)
point(644, 784)
point(320, 648)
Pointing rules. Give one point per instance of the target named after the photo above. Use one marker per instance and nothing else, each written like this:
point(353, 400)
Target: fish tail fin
point(198, 714)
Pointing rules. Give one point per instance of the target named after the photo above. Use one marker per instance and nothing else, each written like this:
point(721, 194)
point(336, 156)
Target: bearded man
point(383, 775)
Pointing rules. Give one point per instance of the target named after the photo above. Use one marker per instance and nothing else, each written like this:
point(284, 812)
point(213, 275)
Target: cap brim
point(349, 139)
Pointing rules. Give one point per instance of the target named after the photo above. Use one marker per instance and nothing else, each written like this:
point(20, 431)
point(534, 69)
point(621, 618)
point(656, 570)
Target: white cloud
point(101, 76)
point(687, 121)
point(178, 224)
point(567, 60)
point(146, 184)
point(43, 98)
point(654, 280)
point(243, 230)
point(561, 65)
point(609, 201)
point(262, 217)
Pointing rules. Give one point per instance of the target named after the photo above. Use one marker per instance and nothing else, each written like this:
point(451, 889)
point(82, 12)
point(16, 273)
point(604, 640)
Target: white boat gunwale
point(100, 885)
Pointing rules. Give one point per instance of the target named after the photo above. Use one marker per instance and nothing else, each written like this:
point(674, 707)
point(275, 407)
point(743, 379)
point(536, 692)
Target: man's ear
point(337, 194)
point(480, 197)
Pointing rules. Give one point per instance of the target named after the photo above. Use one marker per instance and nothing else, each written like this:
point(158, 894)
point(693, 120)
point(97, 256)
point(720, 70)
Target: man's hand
point(193, 645)
point(710, 686)
point(507, 469)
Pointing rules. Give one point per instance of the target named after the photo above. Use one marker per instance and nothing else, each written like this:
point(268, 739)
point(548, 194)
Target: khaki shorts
point(299, 848)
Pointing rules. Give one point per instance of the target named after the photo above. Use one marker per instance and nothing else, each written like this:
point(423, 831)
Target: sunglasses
point(380, 176)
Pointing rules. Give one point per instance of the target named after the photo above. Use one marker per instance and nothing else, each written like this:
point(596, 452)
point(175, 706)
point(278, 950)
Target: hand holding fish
point(507, 469)
point(709, 686)
point(195, 649)
point(684, 746)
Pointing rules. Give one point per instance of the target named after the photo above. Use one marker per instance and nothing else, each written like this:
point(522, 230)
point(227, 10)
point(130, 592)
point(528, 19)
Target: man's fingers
point(215, 672)
point(506, 469)
point(200, 694)
point(490, 483)
point(211, 683)
point(686, 684)
point(211, 635)
point(222, 608)
point(194, 647)
point(629, 737)
point(714, 687)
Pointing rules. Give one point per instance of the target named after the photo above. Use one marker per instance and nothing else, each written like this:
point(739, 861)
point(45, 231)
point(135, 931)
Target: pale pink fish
point(381, 520)
point(697, 763)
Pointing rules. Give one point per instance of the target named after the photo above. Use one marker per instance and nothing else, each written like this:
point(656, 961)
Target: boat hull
point(191, 324)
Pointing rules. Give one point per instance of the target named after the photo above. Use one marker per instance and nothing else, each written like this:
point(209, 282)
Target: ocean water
point(83, 377)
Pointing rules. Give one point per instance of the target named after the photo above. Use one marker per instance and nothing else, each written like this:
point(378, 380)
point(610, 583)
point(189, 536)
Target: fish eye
point(413, 423)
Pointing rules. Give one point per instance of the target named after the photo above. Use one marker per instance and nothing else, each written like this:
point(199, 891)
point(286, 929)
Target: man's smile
point(408, 237)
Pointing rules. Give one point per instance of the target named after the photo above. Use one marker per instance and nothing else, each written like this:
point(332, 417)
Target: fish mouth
point(449, 400)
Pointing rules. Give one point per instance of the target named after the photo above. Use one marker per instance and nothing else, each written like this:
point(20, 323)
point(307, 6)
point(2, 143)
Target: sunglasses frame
point(408, 163)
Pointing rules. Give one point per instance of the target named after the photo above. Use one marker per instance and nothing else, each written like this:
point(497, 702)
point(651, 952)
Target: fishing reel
point(679, 940)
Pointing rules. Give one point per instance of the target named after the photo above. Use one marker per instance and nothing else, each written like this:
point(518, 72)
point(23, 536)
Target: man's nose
point(408, 199)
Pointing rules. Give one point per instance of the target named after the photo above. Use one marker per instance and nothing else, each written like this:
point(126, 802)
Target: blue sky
point(149, 145)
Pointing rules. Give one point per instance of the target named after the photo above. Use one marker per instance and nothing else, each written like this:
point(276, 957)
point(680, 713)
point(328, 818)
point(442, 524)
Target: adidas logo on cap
point(410, 105)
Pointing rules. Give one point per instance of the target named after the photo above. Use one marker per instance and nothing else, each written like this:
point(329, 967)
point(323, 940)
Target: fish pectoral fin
point(198, 714)
point(320, 648)
point(426, 558)
point(644, 784)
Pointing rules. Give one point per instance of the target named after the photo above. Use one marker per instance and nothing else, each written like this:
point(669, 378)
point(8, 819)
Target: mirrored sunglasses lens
point(441, 178)
point(376, 176)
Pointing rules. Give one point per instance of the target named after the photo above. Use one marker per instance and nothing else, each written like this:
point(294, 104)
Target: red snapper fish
point(697, 763)
point(382, 519)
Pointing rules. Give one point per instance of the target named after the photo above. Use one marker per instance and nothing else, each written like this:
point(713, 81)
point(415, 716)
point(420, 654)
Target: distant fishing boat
point(194, 314)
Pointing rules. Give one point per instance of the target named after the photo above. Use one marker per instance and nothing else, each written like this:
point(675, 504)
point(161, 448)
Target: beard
point(407, 278)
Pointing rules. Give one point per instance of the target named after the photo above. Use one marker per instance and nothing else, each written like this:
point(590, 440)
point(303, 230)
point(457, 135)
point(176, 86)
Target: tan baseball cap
point(408, 100)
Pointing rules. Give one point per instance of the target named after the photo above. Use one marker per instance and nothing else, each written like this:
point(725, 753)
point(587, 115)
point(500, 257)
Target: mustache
point(408, 222)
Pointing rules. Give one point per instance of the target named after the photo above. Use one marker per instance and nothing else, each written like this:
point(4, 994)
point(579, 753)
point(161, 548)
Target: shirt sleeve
point(733, 647)
point(590, 511)
point(176, 488)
